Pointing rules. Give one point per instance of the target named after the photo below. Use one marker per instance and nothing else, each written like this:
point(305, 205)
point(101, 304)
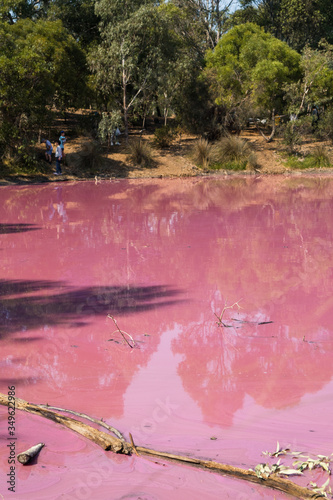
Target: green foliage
point(318, 158)
point(292, 137)
point(108, 124)
point(134, 42)
point(325, 125)
point(232, 152)
point(78, 17)
point(251, 65)
point(297, 22)
point(305, 23)
point(140, 153)
point(164, 136)
point(293, 133)
point(39, 65)
point(316, 84)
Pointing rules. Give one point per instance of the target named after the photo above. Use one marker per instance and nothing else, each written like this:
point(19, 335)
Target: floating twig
point(122, 333)
point(220, 322)
point(27, 455)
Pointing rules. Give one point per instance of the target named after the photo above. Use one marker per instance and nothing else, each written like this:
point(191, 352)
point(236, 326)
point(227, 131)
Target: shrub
point(164, 136)
point(325, 125)
point(90, 159)
point(293, 133)
point(319, 158)
point(291, 137)
point(140, 153)
point(234, 153)
point(202, 153)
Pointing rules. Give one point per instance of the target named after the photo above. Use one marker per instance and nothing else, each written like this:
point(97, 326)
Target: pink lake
point(164, 257)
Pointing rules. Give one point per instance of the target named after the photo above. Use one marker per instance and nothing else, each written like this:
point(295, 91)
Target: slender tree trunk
point(271, 136)
point(125, 108)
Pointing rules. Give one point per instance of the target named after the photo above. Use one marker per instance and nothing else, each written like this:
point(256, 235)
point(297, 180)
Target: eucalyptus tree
point(134, 42)
point(209, 15)
point(78, 17)
point(315, 87)
point(40, 63)
point(13, 10)
point(249, 66)
point(297, 22)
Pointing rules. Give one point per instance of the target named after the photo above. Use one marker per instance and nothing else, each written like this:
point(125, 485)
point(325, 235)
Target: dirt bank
point(174, 161)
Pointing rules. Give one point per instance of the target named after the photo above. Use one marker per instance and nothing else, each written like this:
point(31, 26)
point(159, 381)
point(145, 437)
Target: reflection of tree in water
point(221, 366)
point(26, 305)
point(66, 356)
point(17, 228)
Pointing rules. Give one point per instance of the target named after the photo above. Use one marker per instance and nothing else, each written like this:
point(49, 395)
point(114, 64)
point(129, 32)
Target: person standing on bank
point(62, 140)
point(49, 150)
point(58, 157)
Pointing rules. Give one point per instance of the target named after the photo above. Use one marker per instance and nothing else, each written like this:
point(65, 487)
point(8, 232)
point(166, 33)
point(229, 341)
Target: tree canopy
point(193, 58)
point(249, 64)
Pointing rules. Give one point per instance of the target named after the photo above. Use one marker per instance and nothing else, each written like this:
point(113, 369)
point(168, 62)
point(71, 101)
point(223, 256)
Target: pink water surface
point(164, 257)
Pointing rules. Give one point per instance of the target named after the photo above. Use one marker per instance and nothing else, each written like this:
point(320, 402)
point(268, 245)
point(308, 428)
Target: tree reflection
point(23, 309)
point(221, 366)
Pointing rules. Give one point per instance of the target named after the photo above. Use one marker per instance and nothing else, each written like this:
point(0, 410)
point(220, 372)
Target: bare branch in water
point(220, 322)
point(122, 333)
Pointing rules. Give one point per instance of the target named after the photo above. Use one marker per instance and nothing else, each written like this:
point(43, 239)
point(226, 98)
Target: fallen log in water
point(108, 442)
point(27, 455)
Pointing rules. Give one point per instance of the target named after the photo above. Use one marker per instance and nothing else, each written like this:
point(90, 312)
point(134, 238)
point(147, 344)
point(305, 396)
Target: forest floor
point(174, 161)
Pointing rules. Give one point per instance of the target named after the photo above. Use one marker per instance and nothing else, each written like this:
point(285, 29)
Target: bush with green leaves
point(109, 122)
point(294, 131)
point(164, 136)
point(318, 158)
point(140, 153)
point(325, 125)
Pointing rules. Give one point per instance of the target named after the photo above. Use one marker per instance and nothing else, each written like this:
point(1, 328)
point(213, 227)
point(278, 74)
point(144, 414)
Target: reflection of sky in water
point(164, 258)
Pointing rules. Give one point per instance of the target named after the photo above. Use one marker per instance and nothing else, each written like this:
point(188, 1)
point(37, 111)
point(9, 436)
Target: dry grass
point(202, 153)
point(89, 159)
point(140, 154)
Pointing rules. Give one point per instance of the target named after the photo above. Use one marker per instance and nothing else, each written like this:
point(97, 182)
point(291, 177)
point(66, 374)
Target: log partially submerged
point(111, 443)
point(106, 441)
point(27, 455)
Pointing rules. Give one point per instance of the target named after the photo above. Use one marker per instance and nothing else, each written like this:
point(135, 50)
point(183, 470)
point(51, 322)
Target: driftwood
point(116, 445)
point(101, 438)
point(87, 417)
point(27, 455)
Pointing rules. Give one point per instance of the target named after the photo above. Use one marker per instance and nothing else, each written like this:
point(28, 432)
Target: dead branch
point(106, 441)
point(83, 415)
point(27, 455)
point(122, 332)
point(114, 444)
point(220, 322)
